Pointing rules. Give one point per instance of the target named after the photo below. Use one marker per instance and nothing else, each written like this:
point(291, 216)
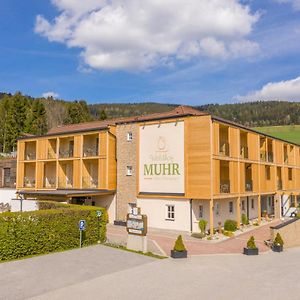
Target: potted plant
point(278, 243)
point(251, 248)
point(179, 250)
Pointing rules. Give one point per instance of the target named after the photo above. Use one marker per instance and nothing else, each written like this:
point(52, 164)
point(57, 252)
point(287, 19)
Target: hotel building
point(178, 167)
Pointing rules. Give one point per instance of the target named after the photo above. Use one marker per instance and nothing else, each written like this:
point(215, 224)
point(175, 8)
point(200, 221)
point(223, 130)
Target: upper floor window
point(129, 171)
point(129, 136)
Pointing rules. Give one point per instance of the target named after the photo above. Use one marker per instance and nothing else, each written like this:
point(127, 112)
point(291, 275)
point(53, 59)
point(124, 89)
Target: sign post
point(99, 214)
point(136, 226)
point(81, 226)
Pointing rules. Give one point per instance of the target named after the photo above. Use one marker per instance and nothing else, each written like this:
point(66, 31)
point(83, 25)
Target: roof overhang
point(68, 193)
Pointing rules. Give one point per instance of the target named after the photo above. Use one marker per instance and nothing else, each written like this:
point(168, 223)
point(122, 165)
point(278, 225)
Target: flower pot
point(277, 248)
point(178, 254)
point(248, 251)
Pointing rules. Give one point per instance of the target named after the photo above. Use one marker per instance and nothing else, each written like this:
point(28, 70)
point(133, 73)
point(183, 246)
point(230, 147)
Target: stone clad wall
point(126, 156)
point(10, 163)
point(290, 233)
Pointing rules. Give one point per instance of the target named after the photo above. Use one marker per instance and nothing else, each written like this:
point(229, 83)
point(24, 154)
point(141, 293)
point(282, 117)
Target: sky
point(170, 51)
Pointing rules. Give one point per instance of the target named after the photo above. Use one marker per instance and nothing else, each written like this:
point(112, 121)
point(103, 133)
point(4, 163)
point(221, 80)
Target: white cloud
point(138, 35)
point(288, 90)
point(295, 3)
point(50, 94)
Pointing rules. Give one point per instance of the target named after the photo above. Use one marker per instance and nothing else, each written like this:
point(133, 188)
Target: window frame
point(129, 136)
point(230, 204)
point(170, 212)
point(129, 170)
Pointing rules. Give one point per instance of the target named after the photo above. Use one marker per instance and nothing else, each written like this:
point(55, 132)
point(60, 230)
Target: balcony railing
point(249, 186)
point(270, 157)
point(30, 155)
point(66, 153)
point(263, 155)
point(51, 154)
point(65, 182)
point(49, 182)
point(225, 186)
point(244, 152)
point(90, 151)
point(29, 182)
point(279, 184)
point(89, 182)
point(224, 148)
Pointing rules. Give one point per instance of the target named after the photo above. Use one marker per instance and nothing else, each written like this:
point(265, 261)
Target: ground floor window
point(252, 203)
point(200, 211)
point(230, 207)
point(217, 209)
point(170, 212)
point(243, 205)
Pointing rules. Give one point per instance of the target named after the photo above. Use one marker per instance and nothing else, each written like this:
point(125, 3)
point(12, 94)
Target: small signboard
point(136, 224)
point(82, 225)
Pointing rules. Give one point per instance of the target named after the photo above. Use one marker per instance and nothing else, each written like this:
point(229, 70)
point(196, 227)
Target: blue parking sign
point(82, 225)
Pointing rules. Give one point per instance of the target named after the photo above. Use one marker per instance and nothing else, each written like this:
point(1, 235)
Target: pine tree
point(36, 122)
point(103, 115)
point(77, 112)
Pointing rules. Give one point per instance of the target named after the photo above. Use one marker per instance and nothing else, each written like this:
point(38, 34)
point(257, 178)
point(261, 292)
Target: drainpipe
point(191, 215)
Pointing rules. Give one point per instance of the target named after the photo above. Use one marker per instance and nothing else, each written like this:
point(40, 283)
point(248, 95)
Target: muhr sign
point(161, 169)
point(162, 158)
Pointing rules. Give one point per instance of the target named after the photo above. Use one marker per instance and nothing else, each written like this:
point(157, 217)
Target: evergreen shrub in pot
point(251, 248)
point(278, 243)
point(179, 250)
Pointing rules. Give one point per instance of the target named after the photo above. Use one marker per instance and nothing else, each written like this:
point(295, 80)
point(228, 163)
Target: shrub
point(230, 225)
point(228, 233)
point(197, 235)
point(278, 240)
point(43, 205)
point(245, 220)
point(44, 231)
point(202, 226)
point(179, 246)
point(251, 243)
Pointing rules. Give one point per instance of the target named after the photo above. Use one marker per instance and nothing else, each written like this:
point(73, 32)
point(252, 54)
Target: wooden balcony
point(224, 186)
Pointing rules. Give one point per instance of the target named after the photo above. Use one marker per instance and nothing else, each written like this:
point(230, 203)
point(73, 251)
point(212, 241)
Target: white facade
point(157, 213)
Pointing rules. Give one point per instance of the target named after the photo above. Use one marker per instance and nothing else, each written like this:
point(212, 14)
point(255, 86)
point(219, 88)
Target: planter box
point(177, 254)
point(248, 251)
point(277, 248)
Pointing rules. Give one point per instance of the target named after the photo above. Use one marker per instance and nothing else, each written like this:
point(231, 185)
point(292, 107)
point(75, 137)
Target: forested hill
point(23, 114)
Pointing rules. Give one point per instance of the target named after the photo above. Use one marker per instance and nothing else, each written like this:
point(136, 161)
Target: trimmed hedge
point(39, 232)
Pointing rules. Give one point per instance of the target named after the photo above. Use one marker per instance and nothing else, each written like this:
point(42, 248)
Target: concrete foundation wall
point(108, 202)
point(289, 233)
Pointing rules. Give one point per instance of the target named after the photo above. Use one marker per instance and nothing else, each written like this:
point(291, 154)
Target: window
point(290, 174)
point(129, 136)
point(268, 172)
point(6, 177)
point(252, 203)
point(129, 171)
point(230, 207)
point(200, 211)
point(170, 212)
point(243, 205)
point(217, 207)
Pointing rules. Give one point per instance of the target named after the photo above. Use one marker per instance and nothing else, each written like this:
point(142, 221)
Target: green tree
point(102, 115)
point(36, 122)
point(77, 112)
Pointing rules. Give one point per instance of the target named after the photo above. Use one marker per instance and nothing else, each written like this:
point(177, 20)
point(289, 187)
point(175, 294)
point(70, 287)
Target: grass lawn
point(290, 133)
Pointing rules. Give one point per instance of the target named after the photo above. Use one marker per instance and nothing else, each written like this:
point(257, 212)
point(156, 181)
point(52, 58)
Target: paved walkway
point(165, 239)
point(270, 277)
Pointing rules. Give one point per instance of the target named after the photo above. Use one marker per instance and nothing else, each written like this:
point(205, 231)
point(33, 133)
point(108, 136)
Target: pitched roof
point(179, 111)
